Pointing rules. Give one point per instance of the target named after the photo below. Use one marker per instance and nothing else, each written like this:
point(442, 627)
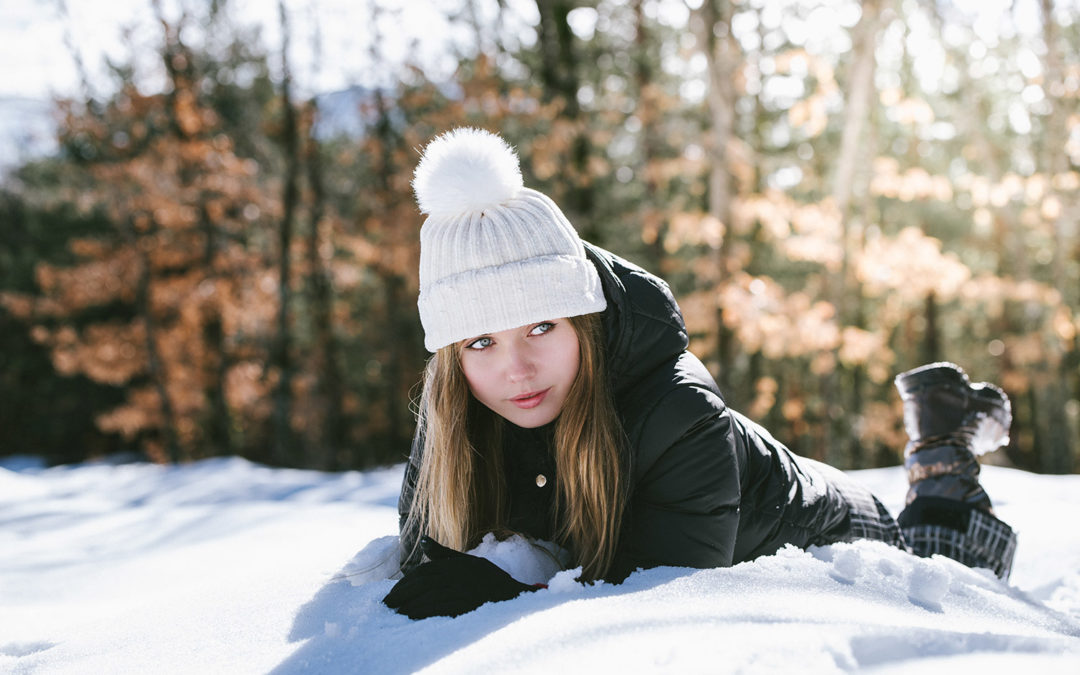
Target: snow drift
point(225, 566)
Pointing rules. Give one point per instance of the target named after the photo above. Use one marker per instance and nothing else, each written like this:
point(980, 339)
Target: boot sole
point(930, 375)
point(993, 426)
point(945, 373)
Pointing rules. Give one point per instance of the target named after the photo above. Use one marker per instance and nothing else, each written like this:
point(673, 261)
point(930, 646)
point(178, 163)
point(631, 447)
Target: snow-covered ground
point(223, 566)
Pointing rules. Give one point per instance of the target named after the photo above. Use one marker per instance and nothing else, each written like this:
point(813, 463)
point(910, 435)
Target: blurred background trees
point(837, 191)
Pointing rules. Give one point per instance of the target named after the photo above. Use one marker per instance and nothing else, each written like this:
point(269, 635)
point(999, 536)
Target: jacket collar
point(643, 325)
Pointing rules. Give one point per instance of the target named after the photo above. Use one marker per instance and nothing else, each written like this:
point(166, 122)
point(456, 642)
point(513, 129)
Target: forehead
point(518, 329)
point(503, 333)
point(568, 331)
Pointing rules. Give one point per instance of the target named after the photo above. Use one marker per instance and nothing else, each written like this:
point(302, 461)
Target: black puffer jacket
point(710, 487)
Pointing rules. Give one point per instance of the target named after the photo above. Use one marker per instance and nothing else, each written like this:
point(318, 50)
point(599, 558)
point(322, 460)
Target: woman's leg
point(949, 422)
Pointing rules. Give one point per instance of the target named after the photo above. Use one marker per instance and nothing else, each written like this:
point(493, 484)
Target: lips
point(531, 399)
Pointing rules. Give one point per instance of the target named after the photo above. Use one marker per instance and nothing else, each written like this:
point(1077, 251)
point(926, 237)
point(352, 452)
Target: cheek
point(571, 357)
point(478, 376)
point(471, 372)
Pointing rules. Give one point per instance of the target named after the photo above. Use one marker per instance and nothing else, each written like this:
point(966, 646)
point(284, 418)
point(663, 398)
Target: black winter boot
point(949, 422)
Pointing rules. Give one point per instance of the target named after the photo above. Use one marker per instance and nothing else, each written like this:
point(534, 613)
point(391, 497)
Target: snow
point(223, 566)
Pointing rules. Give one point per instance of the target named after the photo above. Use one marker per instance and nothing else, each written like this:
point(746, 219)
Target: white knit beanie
point(494, 254)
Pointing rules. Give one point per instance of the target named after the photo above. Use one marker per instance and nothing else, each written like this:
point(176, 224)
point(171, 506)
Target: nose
point(520, 366)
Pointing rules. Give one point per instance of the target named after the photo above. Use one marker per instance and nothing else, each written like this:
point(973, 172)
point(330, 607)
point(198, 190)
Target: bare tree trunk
point(931, 340)
point(559, 76)
point(158, 376)
point(397, 413)
point(860, 458)
point(652, 221)
point(721, 53)
point(398, 311)
point(284, 441)
point(860, 95)
point(1060, 437)
point(331, 386)
point(723, 57)
point(179, 78)
point(219, 436)
point(558, 72)
point(840, 445)
point(1054, 160)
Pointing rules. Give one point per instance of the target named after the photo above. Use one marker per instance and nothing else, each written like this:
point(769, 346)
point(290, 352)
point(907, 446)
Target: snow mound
point(226, 566)
point(928, 583)
point(566, 581)
point(527, 560)
point(836, 608)
point(379, 560)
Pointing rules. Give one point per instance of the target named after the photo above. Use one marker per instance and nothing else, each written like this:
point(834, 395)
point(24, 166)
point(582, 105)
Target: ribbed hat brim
point(492, 299)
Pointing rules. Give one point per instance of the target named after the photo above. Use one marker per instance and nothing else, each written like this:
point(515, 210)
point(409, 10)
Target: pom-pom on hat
point(494, 254)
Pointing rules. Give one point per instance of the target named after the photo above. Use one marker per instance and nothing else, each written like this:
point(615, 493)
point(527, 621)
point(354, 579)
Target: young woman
point(561, 403)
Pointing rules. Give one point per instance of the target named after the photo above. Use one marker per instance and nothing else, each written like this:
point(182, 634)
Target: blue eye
point(541, 328)
point(479, 343)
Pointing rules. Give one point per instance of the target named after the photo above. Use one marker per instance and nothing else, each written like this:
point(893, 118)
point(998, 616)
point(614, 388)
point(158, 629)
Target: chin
point(530, 421)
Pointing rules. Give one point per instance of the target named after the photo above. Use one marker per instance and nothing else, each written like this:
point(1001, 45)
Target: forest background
point(220, 261)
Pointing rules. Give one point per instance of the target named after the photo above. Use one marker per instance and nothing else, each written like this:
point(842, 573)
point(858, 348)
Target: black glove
point(452, 583)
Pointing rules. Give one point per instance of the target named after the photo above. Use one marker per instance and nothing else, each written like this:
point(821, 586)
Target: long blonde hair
point(461, 492)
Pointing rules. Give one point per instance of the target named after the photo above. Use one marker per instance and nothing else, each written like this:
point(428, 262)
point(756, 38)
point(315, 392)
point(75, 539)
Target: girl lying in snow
point(561, 402)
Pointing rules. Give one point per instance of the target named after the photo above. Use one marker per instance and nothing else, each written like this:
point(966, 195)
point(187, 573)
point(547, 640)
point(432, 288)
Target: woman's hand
point(452, 583)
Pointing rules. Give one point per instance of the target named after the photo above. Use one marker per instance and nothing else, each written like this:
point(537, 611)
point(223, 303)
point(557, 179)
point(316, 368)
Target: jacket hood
point(643, 324)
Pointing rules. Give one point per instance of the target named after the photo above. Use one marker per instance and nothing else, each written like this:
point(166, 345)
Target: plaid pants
point(930, 526)
point(955, 530)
